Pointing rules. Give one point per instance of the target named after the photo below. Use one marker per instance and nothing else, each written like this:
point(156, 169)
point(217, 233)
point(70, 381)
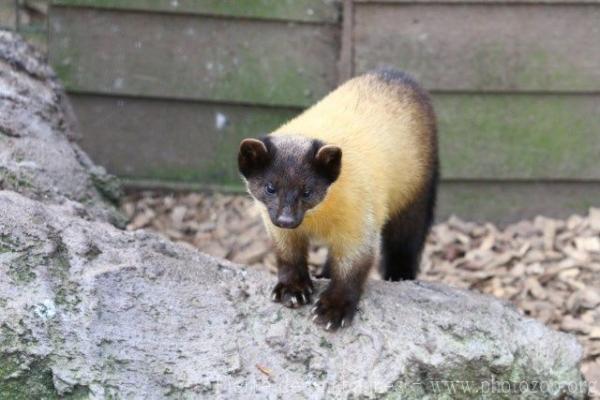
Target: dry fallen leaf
point(590, 298)
point(588, 244)
point(549, 229)
point(535, 288)
point(595, 333)
point(575, 325)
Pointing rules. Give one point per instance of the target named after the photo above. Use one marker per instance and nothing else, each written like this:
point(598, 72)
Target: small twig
point(264, 370)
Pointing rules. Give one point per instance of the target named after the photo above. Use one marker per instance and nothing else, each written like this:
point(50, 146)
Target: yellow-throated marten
point(357, 171)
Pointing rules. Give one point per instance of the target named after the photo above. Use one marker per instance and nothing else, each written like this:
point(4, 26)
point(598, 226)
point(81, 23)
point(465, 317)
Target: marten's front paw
point(293, 294)
point(335, 309)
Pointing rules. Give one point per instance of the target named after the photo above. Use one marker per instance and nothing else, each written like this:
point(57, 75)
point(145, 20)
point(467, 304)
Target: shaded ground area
point(550, 269)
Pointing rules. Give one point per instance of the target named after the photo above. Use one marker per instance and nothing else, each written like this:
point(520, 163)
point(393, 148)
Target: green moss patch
point(32, 382)
point(20, 380)
point(108, 185)
point(10, 180)
point(66, 291)
point(22, 268)
point(8, 244)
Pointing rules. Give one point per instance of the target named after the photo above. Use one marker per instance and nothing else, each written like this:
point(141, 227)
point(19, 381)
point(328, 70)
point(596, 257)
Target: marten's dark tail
point(404, 235)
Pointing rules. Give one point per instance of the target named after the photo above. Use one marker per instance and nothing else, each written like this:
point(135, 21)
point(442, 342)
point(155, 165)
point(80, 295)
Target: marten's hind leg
point(403, 239)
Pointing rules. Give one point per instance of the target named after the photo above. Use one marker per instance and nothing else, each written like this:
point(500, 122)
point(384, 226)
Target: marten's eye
point(270, 189)
point(306, 193)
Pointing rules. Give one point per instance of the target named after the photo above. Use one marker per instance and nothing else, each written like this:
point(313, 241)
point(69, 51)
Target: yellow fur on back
point(382, 131)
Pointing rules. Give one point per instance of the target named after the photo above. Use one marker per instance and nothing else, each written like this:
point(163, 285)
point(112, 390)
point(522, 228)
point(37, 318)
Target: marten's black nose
point(286, 221)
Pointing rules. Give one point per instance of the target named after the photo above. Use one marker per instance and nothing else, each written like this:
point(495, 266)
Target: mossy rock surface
point(118, 314)
point(37, 155)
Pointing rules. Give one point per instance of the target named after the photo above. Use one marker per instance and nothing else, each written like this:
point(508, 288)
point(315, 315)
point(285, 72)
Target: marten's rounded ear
point(253, 156)
point(328, 161)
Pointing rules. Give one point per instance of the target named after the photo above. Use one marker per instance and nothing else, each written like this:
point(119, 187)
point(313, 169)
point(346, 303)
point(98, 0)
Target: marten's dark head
point(288, 174)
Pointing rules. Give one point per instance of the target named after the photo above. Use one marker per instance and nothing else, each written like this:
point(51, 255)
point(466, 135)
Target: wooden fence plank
point(193, 57)
point(289, 10)
point(481, 1)
point(481, 137)
point(484, 47)
point(7, 14)
point(505, 202)
point(170, 140)
point(519, 136)
point(345, 63)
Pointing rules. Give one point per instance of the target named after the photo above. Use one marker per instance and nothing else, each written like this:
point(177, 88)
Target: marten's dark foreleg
point(294, 286)
point(338, 303)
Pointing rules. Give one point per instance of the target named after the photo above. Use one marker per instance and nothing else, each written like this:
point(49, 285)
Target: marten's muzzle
point(288, 218)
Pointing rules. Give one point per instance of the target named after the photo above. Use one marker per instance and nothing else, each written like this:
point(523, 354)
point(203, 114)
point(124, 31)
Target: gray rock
point(87, 310)
point(37, 157)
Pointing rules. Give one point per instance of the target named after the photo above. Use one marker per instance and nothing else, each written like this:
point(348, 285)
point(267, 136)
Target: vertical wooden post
point(17, 16)
point(346, 61)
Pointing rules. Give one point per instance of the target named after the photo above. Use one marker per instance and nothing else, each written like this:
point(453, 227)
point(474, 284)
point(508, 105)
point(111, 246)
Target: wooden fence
point(165, 89)
point(28, 17)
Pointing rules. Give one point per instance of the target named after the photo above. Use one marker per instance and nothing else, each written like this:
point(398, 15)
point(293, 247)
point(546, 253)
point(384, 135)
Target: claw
point(274, 297)
point(343, 323)
point(294, 301)
point(304, 301)
point(310, 290)
point(313, 310)
point(314, 318)
point(328, 327)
